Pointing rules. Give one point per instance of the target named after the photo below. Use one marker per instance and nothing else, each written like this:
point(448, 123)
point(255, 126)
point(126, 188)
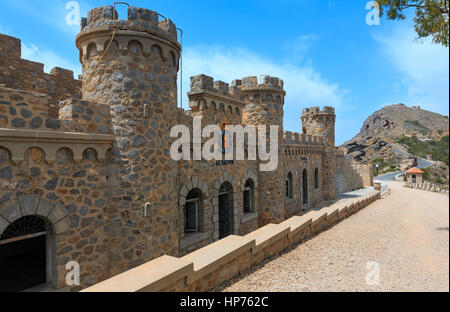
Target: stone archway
point(232, 203)
point(28, 229)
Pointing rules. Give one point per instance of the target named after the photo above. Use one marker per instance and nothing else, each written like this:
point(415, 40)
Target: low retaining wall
point(224, 259)
point(382, 187)
point(427, 186)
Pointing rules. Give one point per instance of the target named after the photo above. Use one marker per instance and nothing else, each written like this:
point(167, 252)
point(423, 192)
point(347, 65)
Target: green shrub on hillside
point(438, 149)
point(417, 126)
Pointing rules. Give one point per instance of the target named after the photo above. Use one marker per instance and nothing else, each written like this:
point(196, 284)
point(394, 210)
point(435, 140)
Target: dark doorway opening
point(23, 255)
point(305, 187)
point(225, 210)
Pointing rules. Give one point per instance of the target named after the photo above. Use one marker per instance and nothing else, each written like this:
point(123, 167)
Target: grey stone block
point(3, 225)
point(58, 213)
point(45, 207)
point(63, 226)
point(29, 204)
point(11, 212)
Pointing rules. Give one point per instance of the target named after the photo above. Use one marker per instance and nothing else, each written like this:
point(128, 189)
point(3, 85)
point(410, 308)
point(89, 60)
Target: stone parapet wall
point(29, 110)
point(17, 73)
point(428, 186)
point(224, 259)
point(294, 138)
point(138, 19)
point(86, 117)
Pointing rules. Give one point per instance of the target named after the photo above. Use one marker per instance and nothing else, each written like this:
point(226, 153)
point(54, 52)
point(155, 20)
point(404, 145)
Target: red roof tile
point(414, 170)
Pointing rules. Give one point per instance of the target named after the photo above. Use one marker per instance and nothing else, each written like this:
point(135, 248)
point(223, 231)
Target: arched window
point(193, 212)
point(289, 186)
point(316, 178)
point(249, 196)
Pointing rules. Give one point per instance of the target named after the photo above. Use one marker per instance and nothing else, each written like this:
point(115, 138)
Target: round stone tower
point(131, 64)
point(322, 123)
point(264, 107)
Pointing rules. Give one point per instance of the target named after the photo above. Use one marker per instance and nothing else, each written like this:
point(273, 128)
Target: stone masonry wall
point(29, 110)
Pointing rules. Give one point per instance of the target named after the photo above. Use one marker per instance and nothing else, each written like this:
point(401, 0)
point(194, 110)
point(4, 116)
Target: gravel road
point(404, 237)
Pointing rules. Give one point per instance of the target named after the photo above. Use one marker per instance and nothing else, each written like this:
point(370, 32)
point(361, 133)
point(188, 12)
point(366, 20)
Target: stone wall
point(352, 177)
point(221, 261)
point(17, 73)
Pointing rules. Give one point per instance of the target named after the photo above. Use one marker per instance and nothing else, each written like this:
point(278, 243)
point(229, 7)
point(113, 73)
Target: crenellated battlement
point(246, 89)
point(143, 33)
point(138, 19)
point(317, 111)
point(217, 96)
point(252, 83)
point(295, 138)
point(17, 73)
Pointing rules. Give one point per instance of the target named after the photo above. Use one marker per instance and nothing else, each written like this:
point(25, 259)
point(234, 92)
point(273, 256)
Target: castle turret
point(265, 107)
point(131, 65)
point(322, 123)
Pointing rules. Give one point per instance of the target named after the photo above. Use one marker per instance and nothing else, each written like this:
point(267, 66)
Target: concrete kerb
point(149, 277)
point(213, 256)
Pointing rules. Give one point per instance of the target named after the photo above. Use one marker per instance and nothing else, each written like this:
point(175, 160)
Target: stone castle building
point(86, 174)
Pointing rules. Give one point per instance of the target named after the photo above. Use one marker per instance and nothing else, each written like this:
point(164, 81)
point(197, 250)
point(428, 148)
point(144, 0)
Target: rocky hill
point(381, 134)
point(394, 121)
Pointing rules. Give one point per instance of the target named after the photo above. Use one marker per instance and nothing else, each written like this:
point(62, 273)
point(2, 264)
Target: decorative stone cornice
point(18, 141)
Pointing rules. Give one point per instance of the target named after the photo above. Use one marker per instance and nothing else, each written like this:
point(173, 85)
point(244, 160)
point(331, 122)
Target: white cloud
point(48, 58)
point(425, 67)
point(304, 86)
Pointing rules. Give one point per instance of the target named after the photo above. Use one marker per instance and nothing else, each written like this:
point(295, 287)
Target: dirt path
point(404, 237)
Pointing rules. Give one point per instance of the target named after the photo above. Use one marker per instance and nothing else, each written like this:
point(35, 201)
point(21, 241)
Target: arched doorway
point(23, 254)
point(305, 186)
point(225, 210)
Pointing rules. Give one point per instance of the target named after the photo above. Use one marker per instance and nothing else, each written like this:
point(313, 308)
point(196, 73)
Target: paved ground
point(405, 236)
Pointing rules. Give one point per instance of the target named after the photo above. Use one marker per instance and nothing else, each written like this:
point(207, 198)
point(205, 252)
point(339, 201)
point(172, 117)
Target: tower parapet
point(138, 19)
point(321, 122)
point(142, 34)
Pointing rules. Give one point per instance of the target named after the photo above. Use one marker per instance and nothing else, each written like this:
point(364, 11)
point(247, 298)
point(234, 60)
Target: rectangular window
point(191, 217)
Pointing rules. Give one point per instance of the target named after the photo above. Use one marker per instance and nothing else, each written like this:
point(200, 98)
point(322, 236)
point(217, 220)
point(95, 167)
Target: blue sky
point(323, 49)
